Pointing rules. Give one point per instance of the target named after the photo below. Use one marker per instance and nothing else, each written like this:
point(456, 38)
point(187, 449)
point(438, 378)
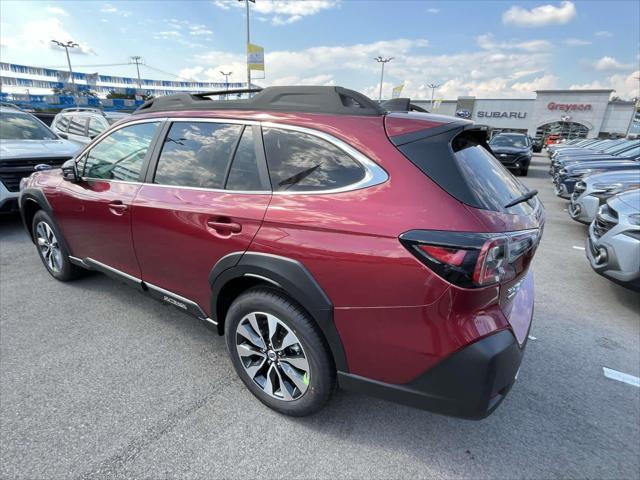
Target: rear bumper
point(470, 383)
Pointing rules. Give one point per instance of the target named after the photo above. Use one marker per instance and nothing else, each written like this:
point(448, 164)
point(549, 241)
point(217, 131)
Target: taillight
point(473, 260)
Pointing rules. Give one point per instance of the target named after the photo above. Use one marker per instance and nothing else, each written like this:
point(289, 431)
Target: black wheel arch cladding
point(289, 275)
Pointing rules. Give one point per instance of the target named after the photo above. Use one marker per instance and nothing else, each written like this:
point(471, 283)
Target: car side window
point(302, 162)
point(244, 173)
point(197, 154)
point(96, 126)
point(63, 123)
point(78, 126)
point(120, 155)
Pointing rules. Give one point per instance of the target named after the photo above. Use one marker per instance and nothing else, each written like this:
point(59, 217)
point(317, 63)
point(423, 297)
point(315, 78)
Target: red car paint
point(396, 318)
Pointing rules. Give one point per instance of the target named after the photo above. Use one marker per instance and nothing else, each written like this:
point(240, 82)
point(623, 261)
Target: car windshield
point(634, 152)
point(622, 147)
point(509, 141)
point(20, 126)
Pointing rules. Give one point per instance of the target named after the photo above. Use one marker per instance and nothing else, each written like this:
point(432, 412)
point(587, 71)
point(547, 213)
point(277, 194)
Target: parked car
point(628, 151)
point(569, 175)
point(613, 246)
point(593, 191)
point(537, 144)
point(26, 144)
point(596, 149)
point(570, 144)
point(309, 238)
point(83, 124)
point(513, 150)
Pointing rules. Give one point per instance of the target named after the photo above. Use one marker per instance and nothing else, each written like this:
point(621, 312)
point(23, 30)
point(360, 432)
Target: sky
point(488, 49)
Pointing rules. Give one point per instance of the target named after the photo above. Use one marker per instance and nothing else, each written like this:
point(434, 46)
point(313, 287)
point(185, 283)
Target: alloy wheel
point(273, 356)
point(49, 247)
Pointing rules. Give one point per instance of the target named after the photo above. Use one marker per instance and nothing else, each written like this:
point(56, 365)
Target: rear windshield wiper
point(292, 180)
point(522, 198)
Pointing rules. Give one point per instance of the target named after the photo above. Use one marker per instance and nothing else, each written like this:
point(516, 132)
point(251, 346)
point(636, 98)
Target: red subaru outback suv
point(331, 241)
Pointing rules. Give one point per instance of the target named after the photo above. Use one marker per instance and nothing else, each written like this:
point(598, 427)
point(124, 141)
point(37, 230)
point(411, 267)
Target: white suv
point(82, 124)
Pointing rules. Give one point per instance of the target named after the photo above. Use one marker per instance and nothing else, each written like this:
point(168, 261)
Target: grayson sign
point(502, 114)
point(569, 107)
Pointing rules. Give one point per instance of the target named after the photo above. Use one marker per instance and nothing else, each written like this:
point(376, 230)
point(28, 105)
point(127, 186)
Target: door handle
point(220, 227)
point(118, 207)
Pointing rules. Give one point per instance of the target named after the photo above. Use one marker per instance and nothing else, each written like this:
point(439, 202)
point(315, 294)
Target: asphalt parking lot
point(99, 381)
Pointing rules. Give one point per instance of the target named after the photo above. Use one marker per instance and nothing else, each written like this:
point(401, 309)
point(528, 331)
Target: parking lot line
point(621, 377)
point(578, 248)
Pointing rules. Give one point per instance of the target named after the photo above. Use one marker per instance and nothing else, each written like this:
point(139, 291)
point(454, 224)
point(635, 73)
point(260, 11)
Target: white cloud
point(433, 10)
point(576, 42)
point(610, 64)
point(199, 30)
point(37, 34)
point(57, 11)
point(540, 16)
point(113, 10)
point(625, 86)
point(282, 12)
point(544, 82)
point(487, 42)
point(603, 34)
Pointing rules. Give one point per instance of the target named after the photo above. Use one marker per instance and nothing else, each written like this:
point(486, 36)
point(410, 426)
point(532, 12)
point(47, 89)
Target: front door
point(95, 213)
point(205, 199)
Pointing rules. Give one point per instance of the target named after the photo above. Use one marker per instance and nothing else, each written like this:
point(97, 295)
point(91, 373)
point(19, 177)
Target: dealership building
point(570, 113)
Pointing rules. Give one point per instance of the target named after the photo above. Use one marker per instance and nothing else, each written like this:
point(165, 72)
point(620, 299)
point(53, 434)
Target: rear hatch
point(455, 155)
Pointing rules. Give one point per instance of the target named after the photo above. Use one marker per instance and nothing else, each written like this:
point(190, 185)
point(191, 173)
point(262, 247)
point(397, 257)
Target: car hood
point(505, 149)
point(601, 158)
point(37, 148)
point(618, 176)
point(627, 202)
point(610, 165)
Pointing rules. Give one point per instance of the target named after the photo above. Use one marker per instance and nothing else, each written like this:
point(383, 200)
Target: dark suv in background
point(513, 150)
point(329, 240)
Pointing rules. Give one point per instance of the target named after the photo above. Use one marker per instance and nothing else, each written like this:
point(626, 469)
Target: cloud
point(487, 42)
point(603, 34)
point(576, 42)
point(199, 30)
point(282, 12)
point(57, 11)
point(610, 64)
point(433, 10)
point(36, 34)
point(541, 16)
point(113, 10)
point(626, 86)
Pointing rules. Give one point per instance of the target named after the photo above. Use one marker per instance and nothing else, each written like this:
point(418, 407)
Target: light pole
point(248, 41)
point(138, 61)
point(67, 46)
point(433, 87)
point(226, 80)
point(382, 61)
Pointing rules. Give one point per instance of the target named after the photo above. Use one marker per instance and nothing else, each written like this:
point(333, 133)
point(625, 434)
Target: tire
point(57, 262)
point(268, 374)
point(524, 171)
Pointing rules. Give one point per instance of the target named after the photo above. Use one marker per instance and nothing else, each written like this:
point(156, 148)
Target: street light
point(226, 80)
point(67, 46)
point(382, 61)
point(248, 41)
point(137, 59)
point(433, 87)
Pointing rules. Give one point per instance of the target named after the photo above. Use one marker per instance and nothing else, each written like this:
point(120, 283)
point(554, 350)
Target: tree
point(70, 92)
point(126, 96)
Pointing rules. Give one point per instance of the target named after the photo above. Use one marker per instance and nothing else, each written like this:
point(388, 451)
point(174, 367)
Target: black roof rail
point(311, 99)
point(402, 105)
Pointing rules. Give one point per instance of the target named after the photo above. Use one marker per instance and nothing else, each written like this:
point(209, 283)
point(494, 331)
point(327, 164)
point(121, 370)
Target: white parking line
point(621, 377)
point(531, 337)
point(576, 247)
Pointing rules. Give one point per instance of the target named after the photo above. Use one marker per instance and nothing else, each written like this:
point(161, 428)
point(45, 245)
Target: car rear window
point(467, 171)
point(22, 126)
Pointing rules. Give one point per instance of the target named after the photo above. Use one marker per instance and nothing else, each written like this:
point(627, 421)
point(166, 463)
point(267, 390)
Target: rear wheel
point(51, 250)
point(279, 353)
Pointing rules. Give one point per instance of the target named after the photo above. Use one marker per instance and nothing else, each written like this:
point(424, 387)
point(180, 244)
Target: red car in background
point(331, 241)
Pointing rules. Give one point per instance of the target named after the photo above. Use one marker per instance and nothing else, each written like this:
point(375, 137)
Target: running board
point(181, 303)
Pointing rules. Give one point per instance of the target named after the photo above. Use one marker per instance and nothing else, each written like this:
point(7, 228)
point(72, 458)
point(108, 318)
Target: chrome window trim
point(374, 173)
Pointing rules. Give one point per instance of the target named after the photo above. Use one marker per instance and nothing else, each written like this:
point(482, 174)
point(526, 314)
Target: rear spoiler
point(402, 105)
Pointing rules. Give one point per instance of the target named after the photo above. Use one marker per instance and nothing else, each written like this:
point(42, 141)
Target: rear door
point(205, 196)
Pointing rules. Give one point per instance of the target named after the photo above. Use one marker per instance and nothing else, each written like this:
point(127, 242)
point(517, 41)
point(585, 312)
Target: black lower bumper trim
point(471, 383)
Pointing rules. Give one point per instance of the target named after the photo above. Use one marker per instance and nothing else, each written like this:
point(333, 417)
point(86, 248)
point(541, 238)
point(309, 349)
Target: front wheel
point(51, 249)
point(279, 353)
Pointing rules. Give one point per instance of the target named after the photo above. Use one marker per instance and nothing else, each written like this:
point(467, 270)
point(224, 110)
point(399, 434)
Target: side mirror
point(69, 171)
point(63, 135)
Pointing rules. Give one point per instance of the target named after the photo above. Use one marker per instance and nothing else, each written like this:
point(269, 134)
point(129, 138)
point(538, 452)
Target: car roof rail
point(402, 105)
point(82, 109)
point(310, 99)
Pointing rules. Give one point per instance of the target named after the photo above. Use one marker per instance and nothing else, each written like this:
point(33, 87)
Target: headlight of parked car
point(634, 218)
point(581, 171)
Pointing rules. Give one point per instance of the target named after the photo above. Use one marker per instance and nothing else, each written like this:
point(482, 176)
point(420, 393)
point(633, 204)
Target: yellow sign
point(255, 57)
point(395, 93)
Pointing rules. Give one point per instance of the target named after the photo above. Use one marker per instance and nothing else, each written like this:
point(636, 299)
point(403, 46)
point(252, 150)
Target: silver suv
point(594, 190)
point(613, 246)
point(26, 144)
point(83, 124)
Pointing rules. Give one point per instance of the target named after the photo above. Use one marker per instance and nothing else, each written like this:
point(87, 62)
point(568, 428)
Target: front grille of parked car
point(12, 171)
point(606, 219)
point(579, 188)
point(507, 158)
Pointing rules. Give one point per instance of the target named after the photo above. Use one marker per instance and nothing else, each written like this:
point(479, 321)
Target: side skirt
point(181, 303)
